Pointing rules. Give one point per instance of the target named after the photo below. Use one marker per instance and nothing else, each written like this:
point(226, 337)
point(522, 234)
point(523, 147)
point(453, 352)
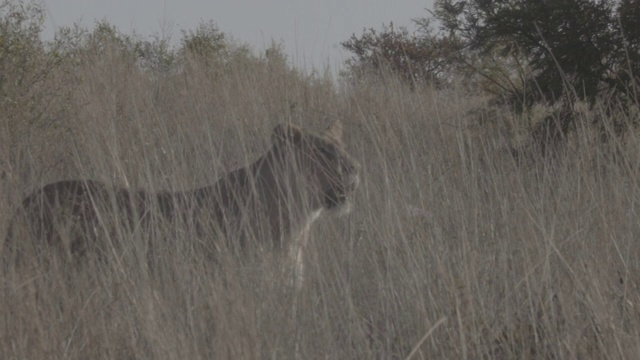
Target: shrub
point(576, 48)
point(418, 58)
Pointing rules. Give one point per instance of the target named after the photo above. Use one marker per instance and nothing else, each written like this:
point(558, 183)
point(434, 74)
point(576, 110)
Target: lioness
point(275, 199)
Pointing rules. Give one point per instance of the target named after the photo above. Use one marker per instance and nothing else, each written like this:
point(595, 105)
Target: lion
point(275, 200)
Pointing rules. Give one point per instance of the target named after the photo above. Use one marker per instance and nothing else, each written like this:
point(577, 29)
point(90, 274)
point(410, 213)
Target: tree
point(565, 49)
point(207, 42)
point(419, 58)
point(30, 103)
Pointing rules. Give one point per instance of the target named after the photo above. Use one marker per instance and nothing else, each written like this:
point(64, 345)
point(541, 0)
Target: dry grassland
point(454, 250)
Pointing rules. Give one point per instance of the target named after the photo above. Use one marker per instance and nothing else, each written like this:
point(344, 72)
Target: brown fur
point(273, 201)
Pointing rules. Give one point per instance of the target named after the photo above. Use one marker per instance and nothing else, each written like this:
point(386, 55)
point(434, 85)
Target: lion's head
point(331, 173)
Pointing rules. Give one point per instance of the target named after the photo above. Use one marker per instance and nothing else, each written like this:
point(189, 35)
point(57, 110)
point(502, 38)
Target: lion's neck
point(283, 182)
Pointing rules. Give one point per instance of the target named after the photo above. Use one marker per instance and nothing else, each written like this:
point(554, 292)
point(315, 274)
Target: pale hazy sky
point(311, 30)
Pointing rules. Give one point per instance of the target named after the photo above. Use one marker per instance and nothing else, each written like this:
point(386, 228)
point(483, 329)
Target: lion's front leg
point(297, 248)
point(296, 266)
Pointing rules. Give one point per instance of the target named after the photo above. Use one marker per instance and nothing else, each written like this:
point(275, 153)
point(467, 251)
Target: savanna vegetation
point(496, 217)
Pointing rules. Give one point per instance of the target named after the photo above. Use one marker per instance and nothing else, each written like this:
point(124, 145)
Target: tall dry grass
point(455, 249)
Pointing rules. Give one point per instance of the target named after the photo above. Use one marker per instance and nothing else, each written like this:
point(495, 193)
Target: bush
point(30, 104)
point(419, 58)
point(579, 49)
point(527, 51)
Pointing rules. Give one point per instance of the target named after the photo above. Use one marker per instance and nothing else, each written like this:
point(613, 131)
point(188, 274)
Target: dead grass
point(453, 250)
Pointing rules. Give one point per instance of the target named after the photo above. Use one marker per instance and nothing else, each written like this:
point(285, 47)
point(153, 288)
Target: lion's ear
point(285, 133)
point(334, 130)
